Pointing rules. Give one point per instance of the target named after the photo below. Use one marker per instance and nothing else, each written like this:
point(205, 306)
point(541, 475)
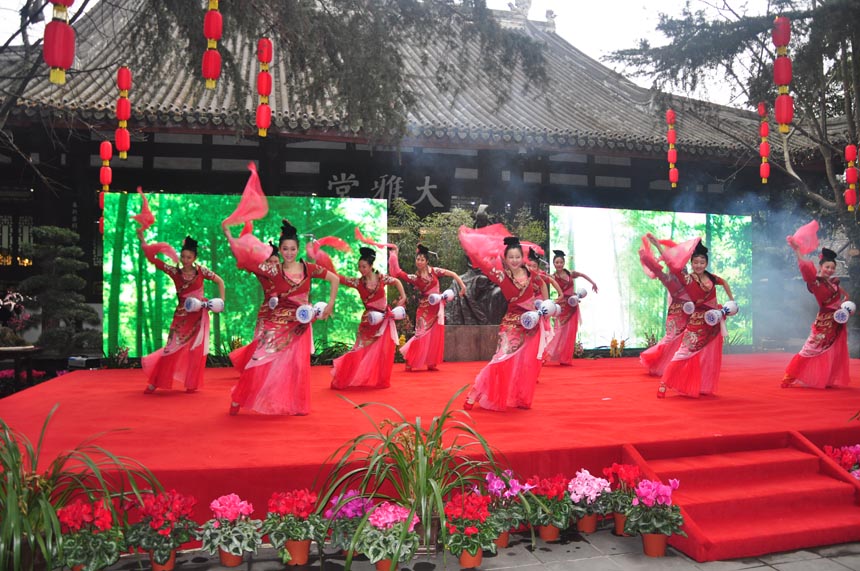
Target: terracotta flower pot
point(469, 561)
point(654, 544)
point(299, 551)
point(620, 520)
point(168, 566)
point(386, 565)
point(228, 559)
point(549, 532)
point(503, 540)
point(587, 523)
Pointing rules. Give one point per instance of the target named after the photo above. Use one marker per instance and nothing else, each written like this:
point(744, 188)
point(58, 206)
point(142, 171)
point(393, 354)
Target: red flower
point(552, 488)
point(298, 503)
point(471, 530)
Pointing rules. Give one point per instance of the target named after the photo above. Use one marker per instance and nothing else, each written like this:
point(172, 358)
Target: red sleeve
point(316, 271)
point(348, 282)
point(807, 270)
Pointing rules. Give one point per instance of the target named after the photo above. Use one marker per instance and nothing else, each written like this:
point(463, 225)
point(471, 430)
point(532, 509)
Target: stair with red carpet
point(750, 499)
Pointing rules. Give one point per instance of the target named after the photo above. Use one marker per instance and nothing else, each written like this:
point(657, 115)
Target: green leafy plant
point(232, 528)
point(652, 510)
point(165, 524)
point(90, 537)
point(623, 479)
point(509, 508)
point(292, 516)
point(413, 463)
point(30, 529)
point(345, 515)
point(589, 494)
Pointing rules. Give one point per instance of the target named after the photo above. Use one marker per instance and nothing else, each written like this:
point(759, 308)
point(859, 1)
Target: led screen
point(139, 300)
point(603, 243)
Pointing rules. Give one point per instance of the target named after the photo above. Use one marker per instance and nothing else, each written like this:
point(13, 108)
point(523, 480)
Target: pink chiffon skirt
point(826, 369)
point(368, 366)
point(278, 383)
point(694, 374)
point(509, 380)
point(426, 348)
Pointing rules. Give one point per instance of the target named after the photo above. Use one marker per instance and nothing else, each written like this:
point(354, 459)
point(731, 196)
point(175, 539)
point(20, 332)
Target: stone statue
point(484, 303)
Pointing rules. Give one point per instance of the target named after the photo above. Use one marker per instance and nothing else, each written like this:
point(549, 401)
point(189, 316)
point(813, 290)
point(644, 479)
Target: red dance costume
point(823, 361)
point(183, 358)
point(427, 346)
point(695, 368)
point(560, 349)
point(276, 379)
point(656, 358)
point(240, 357)
point(369, 363)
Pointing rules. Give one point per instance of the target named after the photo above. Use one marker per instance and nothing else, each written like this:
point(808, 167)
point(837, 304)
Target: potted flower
point(345, 514)
point(165, 525)
point(588, 493)
point(231, 532)
point(553, 507)
point(622, 479)
point(469, 527)
point(388, 536)
point(291, 525)
point(508, 508)
point(90, 540)
point(652, 514)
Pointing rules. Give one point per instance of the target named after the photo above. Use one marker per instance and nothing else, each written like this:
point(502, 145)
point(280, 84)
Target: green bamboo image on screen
point(139, 300)
point(603, 243)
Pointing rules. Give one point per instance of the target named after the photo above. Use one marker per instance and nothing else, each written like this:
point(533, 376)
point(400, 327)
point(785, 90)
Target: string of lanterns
point(212, 28)
point(672, 155)
point(764, 146)
point(58, 45)
point(782, 73)
point(264, 86)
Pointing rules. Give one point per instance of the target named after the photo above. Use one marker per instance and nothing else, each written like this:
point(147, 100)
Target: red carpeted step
point(733, 501)
point(779, 528)
point(735, 467)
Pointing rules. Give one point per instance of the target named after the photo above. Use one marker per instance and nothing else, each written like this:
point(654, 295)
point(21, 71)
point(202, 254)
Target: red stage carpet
point(751, 480)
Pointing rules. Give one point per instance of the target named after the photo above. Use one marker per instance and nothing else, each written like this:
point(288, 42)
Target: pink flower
point(585, 488)
point(386, 515)
point(230, 507)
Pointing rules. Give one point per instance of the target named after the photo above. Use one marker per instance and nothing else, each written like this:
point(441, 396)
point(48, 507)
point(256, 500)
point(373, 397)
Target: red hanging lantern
point(850, 195)
point(101, 225)
point(105, 153)
point(123, 80)
point(123, 111)
point(211, 67)
point(58, 46)
point(672, 155)
point(782, 73)
point(264, 86)
point(213, 27)
point(101, 200)
point(123, 142)
point(105, 177)
point(764, 172)
point(264, 119)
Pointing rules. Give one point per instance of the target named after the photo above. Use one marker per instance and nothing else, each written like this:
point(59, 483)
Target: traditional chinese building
point(591, 137)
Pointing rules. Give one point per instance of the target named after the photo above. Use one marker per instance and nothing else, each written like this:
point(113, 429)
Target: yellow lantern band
point(764, 160)
point(57, 76)
point(671, 165)
point(60, 13)
point(210, 83)
point(780, 51)
point(674, 185)
point(783, 128)
point(262, 132)
point(123, 155)
point(213, 4)
point(105, 163)
point(850, 208)
point(123, 124)
point(123, 93)
point(105, 187)
point(764, 181)
point(782, 89)
point(212, 44)
point(264, 99)
point(264, 66)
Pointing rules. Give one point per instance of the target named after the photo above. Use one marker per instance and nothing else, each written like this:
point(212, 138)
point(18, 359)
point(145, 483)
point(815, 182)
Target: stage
point(753, 438)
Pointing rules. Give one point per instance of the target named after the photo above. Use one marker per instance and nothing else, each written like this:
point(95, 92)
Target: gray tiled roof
point(586, 104)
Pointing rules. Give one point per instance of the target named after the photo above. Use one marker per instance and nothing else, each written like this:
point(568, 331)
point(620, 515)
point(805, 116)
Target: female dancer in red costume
point(823, 361)
point(427, 346)
point(183, 358)
point(509, 378)
point(371, 359)
point(657, 357)
point(560, 349)
point(276, 379)
point(240, 357)
point(695, 368)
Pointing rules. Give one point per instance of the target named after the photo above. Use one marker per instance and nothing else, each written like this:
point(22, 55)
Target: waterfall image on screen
point(603, 243)
point(139, 300)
